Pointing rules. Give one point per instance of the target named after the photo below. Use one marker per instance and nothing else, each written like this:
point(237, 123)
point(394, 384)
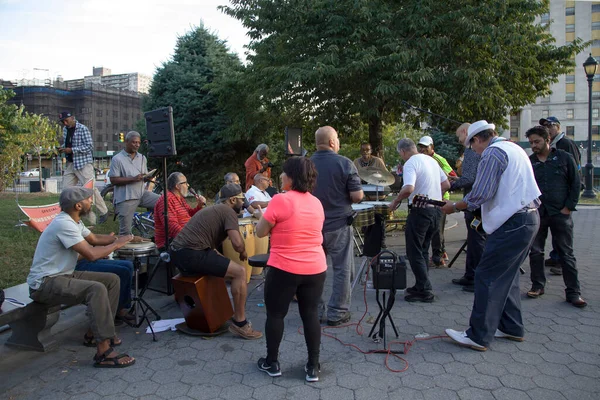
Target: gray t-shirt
point(53, 254)
point(337, 178)
point(123, 165)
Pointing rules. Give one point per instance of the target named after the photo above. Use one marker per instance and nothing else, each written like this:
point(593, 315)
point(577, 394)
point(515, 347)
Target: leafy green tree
point(342, 61)
point(188, 83)
point(40, 137)
point(12, 138)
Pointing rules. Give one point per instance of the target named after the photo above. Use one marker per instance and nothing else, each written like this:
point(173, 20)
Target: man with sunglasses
point(257, 195)
point(78, 147)
point(558, 140)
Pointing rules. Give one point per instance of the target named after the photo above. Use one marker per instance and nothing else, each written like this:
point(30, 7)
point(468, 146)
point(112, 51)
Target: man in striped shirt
point(178, 210)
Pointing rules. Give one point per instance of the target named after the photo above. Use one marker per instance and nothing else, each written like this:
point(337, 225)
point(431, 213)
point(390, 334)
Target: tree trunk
point(375, 137)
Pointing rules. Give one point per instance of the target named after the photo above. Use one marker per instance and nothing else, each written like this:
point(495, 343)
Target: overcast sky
point(41, 39)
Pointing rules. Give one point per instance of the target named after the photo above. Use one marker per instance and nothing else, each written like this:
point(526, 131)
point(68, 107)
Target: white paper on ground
point(165, 325)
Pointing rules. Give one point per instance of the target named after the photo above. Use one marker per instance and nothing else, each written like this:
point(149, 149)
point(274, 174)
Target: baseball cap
point(549, 120)
point(426, 141)
point(73, 195)
point(64, 115)
point(231, 190)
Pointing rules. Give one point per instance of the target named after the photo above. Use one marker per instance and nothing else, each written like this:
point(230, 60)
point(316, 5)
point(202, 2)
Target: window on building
point(545, 113)
point(595, 26)
point(595, 8)
point(99, 113)
point(570, 79)
point(115, 126)
point(570, 113)
point(595, 129)
point(570, 28)
point(545, 18)
point(595, 112)
point(596, 95)
point(570, 96)
point(570, 11)
point(98, 125)
point(115, 114)
point(126, 116)
point(570, 131)
point(596, 43)
point(514, 132)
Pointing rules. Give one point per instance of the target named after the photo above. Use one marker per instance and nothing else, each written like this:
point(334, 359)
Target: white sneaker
point(501, 335)
point(462, 339)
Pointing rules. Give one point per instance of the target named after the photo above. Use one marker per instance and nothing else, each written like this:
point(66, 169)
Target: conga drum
point(204, 301)
point(136, 251)
point(247, 231)
point(261, 246)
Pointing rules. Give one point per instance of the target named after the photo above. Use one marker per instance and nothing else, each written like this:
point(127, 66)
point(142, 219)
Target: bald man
point(338, 186)
point(475, 239)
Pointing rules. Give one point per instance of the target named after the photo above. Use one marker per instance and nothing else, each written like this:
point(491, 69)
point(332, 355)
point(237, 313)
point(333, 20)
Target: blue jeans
point(122, 268)
point(338, 245)
point(497, 303)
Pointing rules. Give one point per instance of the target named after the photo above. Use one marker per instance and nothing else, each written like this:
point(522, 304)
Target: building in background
point(134, 82)
point(569, 99)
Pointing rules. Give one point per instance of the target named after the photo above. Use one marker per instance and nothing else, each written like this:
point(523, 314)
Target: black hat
point(73, 195)
point(231, 190)
point(64, 115)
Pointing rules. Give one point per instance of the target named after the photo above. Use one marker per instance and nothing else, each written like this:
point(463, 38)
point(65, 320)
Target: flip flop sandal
point(100, 359)
point(89, 341)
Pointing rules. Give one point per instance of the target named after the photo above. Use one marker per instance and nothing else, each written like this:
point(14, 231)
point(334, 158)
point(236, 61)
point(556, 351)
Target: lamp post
point(589, 66)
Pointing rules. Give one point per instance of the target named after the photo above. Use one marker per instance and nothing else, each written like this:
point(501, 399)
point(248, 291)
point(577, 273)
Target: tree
point(11, 138)
point(188, 83)
point(40, 137)
point(339, 61)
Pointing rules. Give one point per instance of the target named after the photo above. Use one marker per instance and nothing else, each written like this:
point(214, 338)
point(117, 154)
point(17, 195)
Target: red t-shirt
point(296, 238)
point(179, 214)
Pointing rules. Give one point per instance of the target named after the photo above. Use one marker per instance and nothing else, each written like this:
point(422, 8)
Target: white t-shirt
point(53, 254)
point(255, 194)
point(425, 174)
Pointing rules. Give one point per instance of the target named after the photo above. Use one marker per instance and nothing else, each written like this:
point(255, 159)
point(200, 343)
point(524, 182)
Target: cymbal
point(376, 176)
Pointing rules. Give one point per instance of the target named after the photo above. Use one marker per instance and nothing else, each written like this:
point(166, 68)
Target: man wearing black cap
point(78, 147)
point(193, 251)
point(560, 141)
point(54, 281)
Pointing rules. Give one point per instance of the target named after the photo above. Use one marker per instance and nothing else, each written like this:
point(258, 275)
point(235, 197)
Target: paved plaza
point(559, 359)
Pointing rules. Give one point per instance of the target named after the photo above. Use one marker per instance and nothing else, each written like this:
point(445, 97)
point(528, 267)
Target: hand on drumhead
point(139, 239)
point(243, 256)
point(123, 240)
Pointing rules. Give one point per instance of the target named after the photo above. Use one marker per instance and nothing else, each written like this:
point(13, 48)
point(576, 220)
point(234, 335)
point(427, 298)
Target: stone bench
point(31, 323)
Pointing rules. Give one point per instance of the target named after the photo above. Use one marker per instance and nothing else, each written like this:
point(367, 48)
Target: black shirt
point(69, 143)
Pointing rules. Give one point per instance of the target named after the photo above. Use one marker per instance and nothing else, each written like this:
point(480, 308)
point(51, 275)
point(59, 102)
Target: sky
point(40, 39)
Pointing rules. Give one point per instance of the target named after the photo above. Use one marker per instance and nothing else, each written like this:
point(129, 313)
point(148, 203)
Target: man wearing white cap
point(506, 190)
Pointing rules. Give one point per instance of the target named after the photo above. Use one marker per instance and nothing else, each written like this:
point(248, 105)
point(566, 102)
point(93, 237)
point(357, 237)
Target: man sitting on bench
point(193, 251)
point(54, 281)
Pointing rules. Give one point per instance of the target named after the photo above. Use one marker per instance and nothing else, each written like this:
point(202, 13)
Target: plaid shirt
point(81, 144)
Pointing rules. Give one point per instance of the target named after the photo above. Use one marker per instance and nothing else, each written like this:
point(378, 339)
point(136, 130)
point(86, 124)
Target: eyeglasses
point(183, 183)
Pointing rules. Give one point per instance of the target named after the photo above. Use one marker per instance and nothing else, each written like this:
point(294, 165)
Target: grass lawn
point(17, 243)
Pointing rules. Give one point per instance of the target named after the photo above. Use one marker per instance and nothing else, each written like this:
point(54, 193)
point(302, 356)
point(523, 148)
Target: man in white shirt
point(422, 175)
point(257, 194)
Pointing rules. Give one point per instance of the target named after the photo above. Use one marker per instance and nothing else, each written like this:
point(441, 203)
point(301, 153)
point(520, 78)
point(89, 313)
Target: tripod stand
point(139, 304)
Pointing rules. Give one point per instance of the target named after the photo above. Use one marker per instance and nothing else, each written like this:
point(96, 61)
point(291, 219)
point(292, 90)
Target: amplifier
point(389, 271)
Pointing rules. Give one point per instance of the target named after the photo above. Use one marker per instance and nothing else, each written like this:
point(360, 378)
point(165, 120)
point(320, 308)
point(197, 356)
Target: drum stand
point(139, 304)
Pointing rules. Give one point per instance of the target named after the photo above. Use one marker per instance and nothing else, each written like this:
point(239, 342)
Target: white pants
point(78, 177)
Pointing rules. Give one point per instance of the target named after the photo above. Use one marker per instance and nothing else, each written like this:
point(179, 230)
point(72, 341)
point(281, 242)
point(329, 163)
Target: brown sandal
point(535, 293)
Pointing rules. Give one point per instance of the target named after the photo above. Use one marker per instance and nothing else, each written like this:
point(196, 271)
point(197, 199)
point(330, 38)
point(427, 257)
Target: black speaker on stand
point(161, 143)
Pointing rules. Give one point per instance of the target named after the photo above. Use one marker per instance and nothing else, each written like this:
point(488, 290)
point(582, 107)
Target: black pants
point(561, 227)
point(475, 245)
point(280, 287)
point(420, 227)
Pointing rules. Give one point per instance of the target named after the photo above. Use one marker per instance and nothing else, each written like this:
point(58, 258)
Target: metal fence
point(32, 185)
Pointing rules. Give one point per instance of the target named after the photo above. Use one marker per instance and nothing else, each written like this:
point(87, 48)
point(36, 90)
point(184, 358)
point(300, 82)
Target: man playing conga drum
point(193, 251)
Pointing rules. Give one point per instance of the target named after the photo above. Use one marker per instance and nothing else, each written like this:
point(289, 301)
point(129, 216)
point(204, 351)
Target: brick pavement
point(560, 358)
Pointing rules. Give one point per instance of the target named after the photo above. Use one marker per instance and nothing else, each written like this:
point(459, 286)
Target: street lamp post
point(589, 66)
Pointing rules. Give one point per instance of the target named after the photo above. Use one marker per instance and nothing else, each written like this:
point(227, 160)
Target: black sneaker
point(412, 290)
point(423, 297)
point(272, 369)
point(312, 373)
point(463, 281)
point(469, 288)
